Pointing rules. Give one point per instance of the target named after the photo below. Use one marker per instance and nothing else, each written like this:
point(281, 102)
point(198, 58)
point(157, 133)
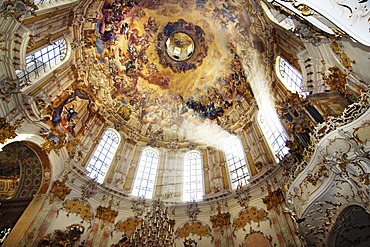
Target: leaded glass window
point(274, 132)
point(42, 61)
point(291, 77)
point(235, 157)
point(103, 155)
point(146, 174)
point(193, 177)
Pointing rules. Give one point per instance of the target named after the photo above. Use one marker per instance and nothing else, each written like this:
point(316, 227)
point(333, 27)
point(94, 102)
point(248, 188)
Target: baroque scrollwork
point(78, 207)
point(128, 226)
point(249, 215)
point(341, 54)
point(63, 238)
point(274, 198)
point(8, 87)
point(89, 189)
point(351, 113)
point(192, 210)
point(17, 9)
point(60, 190)
point(221, 219)
point(194, 228)
point(242, 195)
point(139, 206)
point(7, 130)
point(54, 141)
point(313, 177)
point(310, 35)
point(336, 79)
point(106, 213)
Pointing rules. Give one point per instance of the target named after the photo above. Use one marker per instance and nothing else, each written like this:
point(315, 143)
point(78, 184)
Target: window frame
point(290, 77)
point(238, 156)
point(146, 167)
point(199, 184)
point(42, 61)
point(103, 155)
point(277, 132)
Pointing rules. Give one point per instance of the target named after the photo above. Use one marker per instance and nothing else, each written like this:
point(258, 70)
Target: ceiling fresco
point(130, 65)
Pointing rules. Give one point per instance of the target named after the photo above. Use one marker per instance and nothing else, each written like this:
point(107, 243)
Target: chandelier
point(156, 229)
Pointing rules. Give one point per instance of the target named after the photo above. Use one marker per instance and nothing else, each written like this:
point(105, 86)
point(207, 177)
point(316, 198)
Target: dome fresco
point(133, 72)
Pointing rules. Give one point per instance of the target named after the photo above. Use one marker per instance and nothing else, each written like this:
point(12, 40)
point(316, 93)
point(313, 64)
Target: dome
point(183, 123)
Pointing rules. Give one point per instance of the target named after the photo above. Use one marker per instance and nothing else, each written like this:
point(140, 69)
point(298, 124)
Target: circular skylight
point(180, 46)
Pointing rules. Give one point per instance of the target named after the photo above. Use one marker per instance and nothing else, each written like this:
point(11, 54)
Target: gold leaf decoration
point(106, 214)
point(7, 130)
point(129, 225)
point(247, 215)
point(79, 207)
point(60, 190)
point(193, 228)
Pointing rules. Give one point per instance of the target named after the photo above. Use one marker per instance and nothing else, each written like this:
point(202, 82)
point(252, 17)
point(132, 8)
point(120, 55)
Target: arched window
point(290, 76)
point(42, 61)
point(146, 173)
point(236, 162)
point(103, 155)
point(193, 177)
point(273, 131)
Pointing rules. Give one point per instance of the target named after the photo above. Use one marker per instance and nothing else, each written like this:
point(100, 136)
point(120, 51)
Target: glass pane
point(193, 178)
point(146, 173)
point(236, 162)
point(292, 78)
point(269, 120)
point(102, 157)
point(43, 61)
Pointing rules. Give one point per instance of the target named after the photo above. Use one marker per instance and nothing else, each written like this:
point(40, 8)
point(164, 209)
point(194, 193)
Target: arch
point(289, 76)
point(103, 155)
point(43, 61)
point(193, 188)
point(274, 132)
point(146, 173)
point(237, 164)
point(22, 168)
point(352, 228)
point(256, 239)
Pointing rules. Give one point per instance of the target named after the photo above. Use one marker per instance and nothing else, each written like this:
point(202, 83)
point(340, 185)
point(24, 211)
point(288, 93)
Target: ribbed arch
point(103, 155)
point(193, 176)
point(237, 164)
point(146, 173)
